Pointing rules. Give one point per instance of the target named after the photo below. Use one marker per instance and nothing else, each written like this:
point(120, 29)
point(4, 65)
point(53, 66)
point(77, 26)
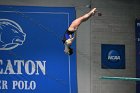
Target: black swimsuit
point(66, 35)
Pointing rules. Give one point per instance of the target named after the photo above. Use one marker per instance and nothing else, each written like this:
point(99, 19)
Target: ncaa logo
point(113, 56)
point(11, 34)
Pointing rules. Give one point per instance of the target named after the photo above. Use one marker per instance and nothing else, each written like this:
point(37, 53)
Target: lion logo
point(11, 34)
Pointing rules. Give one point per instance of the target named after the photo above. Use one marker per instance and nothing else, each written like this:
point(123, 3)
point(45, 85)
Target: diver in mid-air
point(69, 35)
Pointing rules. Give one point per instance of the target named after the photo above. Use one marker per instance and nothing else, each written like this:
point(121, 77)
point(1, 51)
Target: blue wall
point(35, 34)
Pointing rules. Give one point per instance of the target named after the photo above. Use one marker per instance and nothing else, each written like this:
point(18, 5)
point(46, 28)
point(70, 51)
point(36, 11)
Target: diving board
point(120, 78)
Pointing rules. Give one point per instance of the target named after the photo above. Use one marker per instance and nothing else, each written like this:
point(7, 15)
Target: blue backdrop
point(137, 32)
point(33, 34)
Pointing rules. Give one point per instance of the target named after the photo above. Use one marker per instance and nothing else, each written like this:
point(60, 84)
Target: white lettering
point(15, 83)
point(32, 66)
point(9, 68)
point(114, 58)
point(1, 70)
point(26, 85)
point(138, 24)
point(41, 66)
point(19, 63)
point(138, 39)
point(20, 66)
point(3, 84)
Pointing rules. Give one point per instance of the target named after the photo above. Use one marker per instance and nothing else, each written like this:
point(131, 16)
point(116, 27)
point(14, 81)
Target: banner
point(137, 33)
point(113, 56)
point(32, 58)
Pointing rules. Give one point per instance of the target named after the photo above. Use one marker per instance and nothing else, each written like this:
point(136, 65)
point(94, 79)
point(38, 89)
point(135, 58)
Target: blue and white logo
point(11, 34)
point(113, 56)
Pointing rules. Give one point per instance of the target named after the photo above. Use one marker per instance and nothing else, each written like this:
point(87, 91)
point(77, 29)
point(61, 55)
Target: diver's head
point(68, 50)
